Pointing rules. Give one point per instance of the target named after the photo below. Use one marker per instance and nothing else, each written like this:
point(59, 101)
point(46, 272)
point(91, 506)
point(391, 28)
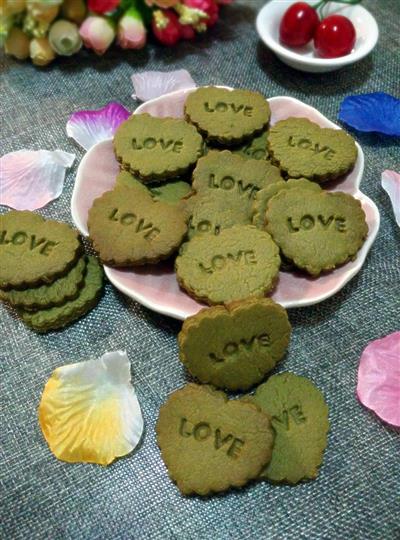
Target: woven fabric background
point(357, 495)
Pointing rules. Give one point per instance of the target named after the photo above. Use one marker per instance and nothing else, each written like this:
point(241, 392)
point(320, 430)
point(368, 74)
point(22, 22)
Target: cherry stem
point(321, 4)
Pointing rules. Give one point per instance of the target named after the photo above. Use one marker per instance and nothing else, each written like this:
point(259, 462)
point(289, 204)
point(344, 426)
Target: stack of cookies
point(237, 199)
point(44, 272)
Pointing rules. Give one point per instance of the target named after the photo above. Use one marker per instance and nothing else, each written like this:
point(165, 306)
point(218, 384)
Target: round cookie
point(157, 148)
point(300, 420)
point(57, 317)
point(33, 250)
point(234, 346)
point(264, 195)
point(128, 228)
point(227, 117)
point(171, 192)
point(241, 261)
point(256, 148)
point(209, 443)
point(318, 232)
point(53, 294)
point(303, 149)
point(232, 174)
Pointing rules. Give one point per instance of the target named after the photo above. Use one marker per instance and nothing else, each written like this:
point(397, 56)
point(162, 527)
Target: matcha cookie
point(157, 148)
point(302, 148)
point(318, 232)
point(241, 261)
point(227, 117)
point(33, 250)
point(53, 294)
point(254, 149)
point(300, 420)
point(171, 192)
point(128, 228)
point(234, 346)
point(209, 443)
point(212, 212)
point(233, 175)
point(264, 195)
point(54, 318)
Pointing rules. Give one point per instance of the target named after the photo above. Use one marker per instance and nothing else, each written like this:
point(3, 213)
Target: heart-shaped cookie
point(34, 251)
point(225, 116)
point(157, 148)
point(209, 443)
point(128, 228)
point(319, 231)
point(234, 346)
point(302, 148)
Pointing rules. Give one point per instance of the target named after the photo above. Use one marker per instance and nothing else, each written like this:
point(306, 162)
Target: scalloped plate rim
point(174, 311)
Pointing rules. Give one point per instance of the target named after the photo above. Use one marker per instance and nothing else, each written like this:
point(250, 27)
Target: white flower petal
point(153, 84)
point(89, 411)
point(30, 179)
point(391, 184)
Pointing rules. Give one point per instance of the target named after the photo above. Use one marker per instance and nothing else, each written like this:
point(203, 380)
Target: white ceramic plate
point(304, 58)
point(155, 286)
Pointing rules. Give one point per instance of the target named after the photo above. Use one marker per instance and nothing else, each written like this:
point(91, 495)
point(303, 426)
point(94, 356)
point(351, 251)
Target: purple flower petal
point(31, 179)
point(378, 385)
point(153, 84)
point(391, 184)
point(378, 112)
point(88, 128)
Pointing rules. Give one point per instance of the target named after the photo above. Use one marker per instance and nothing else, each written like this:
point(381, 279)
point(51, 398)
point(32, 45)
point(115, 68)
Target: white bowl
point(156, 286)
point(305, 58)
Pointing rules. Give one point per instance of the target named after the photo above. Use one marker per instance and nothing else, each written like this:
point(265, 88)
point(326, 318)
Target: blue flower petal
point(372, 112)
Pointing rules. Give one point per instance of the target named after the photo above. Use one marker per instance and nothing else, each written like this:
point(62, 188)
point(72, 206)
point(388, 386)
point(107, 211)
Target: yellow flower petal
point(89, 411)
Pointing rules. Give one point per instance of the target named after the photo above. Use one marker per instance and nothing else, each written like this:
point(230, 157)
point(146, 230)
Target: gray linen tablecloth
point(357, 493)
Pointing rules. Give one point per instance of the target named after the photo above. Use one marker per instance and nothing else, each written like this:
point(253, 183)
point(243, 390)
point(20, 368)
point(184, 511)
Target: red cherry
point(298, 24)
point(335, 36)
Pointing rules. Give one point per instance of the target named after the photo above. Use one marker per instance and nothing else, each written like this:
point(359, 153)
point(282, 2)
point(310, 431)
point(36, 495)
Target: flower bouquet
point(41, 30)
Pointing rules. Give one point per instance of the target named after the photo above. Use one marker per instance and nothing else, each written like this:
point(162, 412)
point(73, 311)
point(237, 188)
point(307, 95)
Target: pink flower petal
point(153, 84)
point(391, 184)
point(88, 128)
point(378, 385)
point(31, 179)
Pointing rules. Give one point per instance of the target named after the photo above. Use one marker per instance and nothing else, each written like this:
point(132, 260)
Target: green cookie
point(300, 420)
point(264, 195)
point(54, 294)
point(209, 443)
point(171, 192)
point(234, 346)
point(234, 175)
point(318, 232)
point(127, 228)
point(254, 149)
point(157, 148)
point(33, 250)
point(241, 261)
point(212, 212)
point(227, 117)
point(303, 149)
point(45, 320)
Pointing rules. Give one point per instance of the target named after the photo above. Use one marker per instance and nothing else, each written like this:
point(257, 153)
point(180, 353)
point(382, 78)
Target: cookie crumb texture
point(128, 228)
point(227, 117)
point(234, 346)
point(241, 261)
point(300, 421)
point(317, 231)
point(157, 148)
point(209, 443)
point(303, 149)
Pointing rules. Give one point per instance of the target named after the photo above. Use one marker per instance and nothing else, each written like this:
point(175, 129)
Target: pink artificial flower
point(97, 33)
point(209, 7)
point(131, 30)
point(166, 27)
point(103, 6)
